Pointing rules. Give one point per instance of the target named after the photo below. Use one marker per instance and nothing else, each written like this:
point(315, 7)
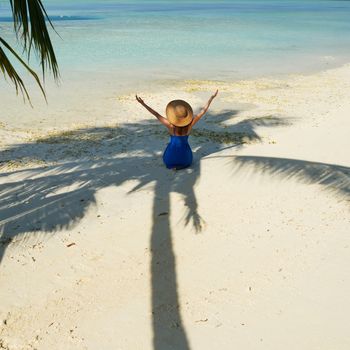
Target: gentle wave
point(9, 19)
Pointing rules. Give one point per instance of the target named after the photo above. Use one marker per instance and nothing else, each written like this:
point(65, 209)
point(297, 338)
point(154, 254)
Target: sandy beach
point(102, 247)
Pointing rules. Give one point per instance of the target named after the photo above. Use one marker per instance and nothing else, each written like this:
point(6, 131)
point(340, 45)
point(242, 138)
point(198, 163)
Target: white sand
point(104, 248)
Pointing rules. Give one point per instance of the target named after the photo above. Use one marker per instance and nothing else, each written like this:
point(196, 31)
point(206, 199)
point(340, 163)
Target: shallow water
point(197, 39)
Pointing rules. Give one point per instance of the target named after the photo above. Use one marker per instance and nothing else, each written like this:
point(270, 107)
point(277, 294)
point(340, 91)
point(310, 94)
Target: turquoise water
point(198, 39)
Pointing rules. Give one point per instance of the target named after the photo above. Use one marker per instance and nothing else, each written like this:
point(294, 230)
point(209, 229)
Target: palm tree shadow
point(331, 177)
point(168, 329)
point(51, 198)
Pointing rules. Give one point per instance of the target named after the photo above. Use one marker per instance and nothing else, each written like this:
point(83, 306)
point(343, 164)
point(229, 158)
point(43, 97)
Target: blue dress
point(178, 153)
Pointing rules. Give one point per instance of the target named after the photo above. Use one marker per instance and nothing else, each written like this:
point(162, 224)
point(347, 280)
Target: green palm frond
point(29, 17)
point(20, 18)
point(8, 70)
point(29, 22)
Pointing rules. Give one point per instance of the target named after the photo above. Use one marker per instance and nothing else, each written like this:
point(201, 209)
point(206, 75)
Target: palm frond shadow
point(331, 177)
point(216, 128)
point(51, 198)
point(68, 189)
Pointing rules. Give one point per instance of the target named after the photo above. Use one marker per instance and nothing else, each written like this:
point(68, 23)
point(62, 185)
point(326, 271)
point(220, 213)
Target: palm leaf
point(29, 17)
point(8, 69)
point(30, 25)
point(20, 19)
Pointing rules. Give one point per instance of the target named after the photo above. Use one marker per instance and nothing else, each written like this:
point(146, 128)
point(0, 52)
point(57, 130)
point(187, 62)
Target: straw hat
point(179, 113)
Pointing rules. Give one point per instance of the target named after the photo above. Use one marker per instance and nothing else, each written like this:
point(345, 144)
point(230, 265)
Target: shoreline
point(72, 78)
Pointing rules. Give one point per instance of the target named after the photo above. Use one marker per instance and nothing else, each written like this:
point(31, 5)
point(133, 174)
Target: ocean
point(226, 39)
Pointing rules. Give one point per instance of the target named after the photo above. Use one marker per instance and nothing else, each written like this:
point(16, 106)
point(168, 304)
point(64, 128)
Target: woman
point(179, 122)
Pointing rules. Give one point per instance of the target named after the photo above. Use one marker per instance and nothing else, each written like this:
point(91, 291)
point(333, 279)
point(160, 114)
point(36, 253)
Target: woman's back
point(181, 131)
point(178, 153)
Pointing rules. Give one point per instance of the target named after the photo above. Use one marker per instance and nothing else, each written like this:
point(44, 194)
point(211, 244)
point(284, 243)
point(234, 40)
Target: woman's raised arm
point(205, 109)
point(163, 120)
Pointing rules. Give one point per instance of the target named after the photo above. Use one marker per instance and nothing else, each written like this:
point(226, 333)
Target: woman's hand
point(140, 100)
point(214, 95)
